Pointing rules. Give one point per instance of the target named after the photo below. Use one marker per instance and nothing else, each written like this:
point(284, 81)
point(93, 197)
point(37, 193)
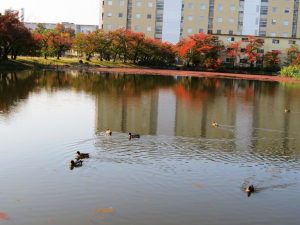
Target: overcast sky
point(54, 11)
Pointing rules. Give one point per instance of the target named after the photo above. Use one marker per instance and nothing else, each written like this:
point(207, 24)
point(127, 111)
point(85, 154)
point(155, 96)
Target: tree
point(13, 34)
point(59, 43)
point(250, 52)
point(271, 58)
point(292, 54)
point(234, 52)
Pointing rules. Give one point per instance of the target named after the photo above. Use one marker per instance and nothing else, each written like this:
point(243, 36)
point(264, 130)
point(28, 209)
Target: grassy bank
point(24, 63)
point(290, 71)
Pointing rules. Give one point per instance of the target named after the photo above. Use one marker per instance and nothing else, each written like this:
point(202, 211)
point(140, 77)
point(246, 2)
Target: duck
point(133, 135)
point(287, 110)
point(76, 163)
point(82, 154)
point(214, 124)
point(108, 132)
point(250, 188)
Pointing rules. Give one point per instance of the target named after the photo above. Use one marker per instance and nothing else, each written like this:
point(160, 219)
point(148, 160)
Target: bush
point(290, 71)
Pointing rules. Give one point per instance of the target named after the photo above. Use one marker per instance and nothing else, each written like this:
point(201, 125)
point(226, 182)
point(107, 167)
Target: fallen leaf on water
point(52, 220)
point(29, 209)
point(199, 185)
point(58, 192)
point(145, 192)
point(54, 170)
point(94, 210)
point(153, 175)
point(145, 201)
point(7, 218)
point(191, 184)
point(88, 182)
point(137, 191)
point(0, 192)
point(2, 215)
point(18, 200)
point(101, 217)
point(90, 220)
point(115, 194)
point(226, 196)
point(106, 210)
point(274, 171)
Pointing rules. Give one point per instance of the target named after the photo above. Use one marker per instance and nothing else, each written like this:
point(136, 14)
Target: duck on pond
point(133, 135)
point(108, 132)
point(79, 154)
point(250, 188)
point(214, 124)
point(287, 110)
point(76, 163)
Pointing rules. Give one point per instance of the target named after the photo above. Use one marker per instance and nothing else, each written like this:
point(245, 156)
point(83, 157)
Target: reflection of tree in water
point(14, 88)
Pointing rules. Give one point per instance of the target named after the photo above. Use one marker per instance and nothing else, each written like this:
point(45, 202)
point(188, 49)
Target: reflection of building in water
point(120, 111)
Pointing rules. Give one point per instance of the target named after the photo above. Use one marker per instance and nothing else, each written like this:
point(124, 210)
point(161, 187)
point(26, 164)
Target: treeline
point(200, 50)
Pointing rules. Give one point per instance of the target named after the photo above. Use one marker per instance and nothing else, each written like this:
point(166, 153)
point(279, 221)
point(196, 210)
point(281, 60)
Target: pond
point(182, 170)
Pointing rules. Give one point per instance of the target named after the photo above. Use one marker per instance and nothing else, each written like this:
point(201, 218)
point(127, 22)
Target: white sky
point(54, 11)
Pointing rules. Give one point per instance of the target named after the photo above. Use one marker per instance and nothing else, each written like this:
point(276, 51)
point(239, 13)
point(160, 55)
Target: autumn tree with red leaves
point(201, 49)
point(250, 52)
point(271, 58)
point(234, 52)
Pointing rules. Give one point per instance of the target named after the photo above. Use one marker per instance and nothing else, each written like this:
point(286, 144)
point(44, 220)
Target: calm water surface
point(181, 170)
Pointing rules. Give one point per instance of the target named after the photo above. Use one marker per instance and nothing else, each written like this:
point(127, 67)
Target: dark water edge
point(181, 170)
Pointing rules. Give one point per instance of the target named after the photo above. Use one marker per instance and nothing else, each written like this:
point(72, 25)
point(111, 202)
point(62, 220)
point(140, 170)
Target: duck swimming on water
point(133, 135)
point(108, 132)
point(287, 110)
point(250, 188)
point(214, 124)
point(82, 154)
point(76, 163)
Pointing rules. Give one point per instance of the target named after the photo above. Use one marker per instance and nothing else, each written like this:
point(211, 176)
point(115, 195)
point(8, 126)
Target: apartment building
point(171, 20)
point(79, 28)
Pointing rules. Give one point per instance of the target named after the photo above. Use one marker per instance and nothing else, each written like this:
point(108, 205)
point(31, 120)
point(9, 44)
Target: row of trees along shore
point(201, 50)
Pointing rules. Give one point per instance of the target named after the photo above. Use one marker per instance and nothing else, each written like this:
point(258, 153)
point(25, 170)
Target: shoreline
point(184, 73)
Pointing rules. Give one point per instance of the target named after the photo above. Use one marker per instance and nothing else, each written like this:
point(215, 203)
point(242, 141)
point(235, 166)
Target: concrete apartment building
point(276, 21)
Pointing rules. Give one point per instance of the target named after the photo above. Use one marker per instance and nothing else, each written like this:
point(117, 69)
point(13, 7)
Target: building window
point(120, 15)
point(202, 6)
point(148, 16)
point(201, 31)
point(121, 3)
point(260, 51)
point(120, 26)
point(273, 22)
point(109, 14)
point(138, 4)
point(275, 41)
point(231, 20)
point(292, 42)
point(286, 23)
point(284, 34)
point(230, 38)
point(189, 30)
point(257, 8)
point(150, 4)
point(201, 18)
point(273, 34)
point(108, 26)
point(220, 7)
point(109, 2)
point(137, 28)
point(190, 18)
point(274, 9)
point(220, 19)
point(286, 10)
point(232, 7)
point(148, 28)
point(230, 32)
point(191, 5)
point(218, 31)
point(137, 16)
point(245, 39)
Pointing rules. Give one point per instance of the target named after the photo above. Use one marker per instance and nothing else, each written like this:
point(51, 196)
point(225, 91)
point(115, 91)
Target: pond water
point(181, 171)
